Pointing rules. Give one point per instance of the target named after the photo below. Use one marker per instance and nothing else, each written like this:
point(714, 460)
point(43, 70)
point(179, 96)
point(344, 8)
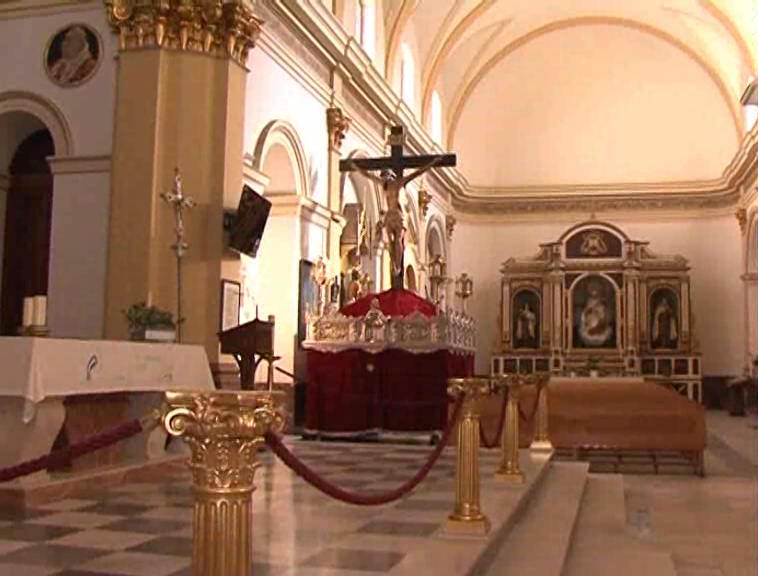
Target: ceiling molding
point(432, 69)
point(575, 22)
point(734, 31)
point(404, 12)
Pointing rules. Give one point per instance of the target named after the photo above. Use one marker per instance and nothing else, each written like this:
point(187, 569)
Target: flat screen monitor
point(248, 225)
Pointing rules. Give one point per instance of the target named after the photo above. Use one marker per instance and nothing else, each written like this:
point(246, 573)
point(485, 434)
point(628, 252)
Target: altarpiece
point(596, 301)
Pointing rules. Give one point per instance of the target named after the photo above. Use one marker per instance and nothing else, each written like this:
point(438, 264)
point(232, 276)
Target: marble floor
point(708, 525)
point(143, 529)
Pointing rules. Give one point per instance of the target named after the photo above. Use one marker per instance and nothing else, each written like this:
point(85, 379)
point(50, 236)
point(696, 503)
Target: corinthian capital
point(216, 27)
point(337, 124)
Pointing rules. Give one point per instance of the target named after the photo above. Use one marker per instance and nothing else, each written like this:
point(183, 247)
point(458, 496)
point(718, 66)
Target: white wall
point(78, 262)
point(710, 244)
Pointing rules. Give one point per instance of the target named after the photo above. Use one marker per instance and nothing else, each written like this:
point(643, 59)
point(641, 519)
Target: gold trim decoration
point(424, 200)
point(337, 124)
point(541, 442)
point(450, 223)
point(467, 517)
point(741, 215)
point(510, 469)
point(218, 28)
point(224, 431)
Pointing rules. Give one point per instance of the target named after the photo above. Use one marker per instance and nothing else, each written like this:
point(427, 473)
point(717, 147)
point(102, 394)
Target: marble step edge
point(529, 528)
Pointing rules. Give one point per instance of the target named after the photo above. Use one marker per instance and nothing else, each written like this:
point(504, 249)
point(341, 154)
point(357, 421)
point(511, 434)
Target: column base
point(462, 526)
point(508, 477)
point(541, 446)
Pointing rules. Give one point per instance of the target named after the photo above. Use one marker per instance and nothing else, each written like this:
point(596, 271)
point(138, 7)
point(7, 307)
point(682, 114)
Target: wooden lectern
point(250, 343)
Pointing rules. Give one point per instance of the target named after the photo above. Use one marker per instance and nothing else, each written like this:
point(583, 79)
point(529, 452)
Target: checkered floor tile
point(145, 529)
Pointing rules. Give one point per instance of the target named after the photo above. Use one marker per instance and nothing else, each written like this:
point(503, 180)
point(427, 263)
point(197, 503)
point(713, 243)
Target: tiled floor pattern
point(144, 529)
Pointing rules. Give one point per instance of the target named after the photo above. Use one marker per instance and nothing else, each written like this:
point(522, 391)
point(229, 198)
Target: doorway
point(28, 223)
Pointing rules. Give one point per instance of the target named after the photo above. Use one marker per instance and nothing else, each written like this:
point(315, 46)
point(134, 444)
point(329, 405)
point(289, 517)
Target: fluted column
point(467, 516)
point(224, 431)
point(510, 469)
point(541, 441)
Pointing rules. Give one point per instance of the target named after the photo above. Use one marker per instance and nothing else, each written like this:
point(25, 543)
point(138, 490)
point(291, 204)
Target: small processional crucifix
point(393, 180)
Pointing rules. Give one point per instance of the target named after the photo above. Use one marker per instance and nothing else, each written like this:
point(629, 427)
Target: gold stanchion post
point(509, 469)
point(541, 441)
point(467, 517)
point(224, 431)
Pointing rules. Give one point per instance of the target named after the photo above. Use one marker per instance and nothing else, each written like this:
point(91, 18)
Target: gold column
point(180, 104)
point(224, 431)
point(467, 517)
point(541, 441)
point(509, 469)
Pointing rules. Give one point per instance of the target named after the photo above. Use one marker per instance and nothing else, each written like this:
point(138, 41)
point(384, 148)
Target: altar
point(68, 389)
point(597, 302)
point(382, 364)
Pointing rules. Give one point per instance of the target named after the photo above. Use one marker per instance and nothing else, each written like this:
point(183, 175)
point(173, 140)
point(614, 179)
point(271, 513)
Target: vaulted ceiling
point(569, 92)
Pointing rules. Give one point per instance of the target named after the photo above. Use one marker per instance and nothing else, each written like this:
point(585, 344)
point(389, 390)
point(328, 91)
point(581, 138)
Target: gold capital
point(741, 215)
point(450, 222)
point(424, 199)
point(337, 124)
point(218, 28)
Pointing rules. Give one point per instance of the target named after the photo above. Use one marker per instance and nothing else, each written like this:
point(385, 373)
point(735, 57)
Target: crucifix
point(180, 203)
point(392, 179)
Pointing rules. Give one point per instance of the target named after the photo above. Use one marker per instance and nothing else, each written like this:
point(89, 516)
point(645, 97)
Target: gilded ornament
point(424, 200)
point(450, 222)
point(337, 124)
point(741, 215)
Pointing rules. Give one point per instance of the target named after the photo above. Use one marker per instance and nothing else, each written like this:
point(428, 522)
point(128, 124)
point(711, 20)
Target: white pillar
point(79, 246)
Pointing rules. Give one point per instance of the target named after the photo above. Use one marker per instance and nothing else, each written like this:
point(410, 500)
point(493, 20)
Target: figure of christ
point(394, 217)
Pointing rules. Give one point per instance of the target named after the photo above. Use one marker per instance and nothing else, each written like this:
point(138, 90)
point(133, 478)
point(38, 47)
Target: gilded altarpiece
point(597, 302)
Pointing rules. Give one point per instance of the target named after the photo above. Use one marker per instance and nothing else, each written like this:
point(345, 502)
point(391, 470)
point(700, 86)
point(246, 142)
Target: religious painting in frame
point(231, 298)
point(526, 317)
point(73, 55)
point(664, 319)
point(593, 243)
point(593, 305)
point(307, 299)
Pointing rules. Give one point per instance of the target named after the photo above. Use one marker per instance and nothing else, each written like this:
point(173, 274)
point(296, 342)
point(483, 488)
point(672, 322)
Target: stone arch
point(278, 141)
point(436, 239)
point(373, 202)
point(28, 103)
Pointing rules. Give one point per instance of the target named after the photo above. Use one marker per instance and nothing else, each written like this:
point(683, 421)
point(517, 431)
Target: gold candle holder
point(541, 441)
point(467, 517)
point(510, 469)
point(224, 431)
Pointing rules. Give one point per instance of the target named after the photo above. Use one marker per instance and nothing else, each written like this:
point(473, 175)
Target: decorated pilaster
point(424, 201)
point(180, 104)
point(224, 431)
point(337, 126)
point(450, 223)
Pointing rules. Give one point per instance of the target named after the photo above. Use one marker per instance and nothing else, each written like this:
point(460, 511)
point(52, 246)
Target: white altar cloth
point(37, 368)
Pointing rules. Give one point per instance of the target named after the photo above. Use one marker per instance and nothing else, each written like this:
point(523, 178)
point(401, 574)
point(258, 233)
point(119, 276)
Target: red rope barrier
point(500, 424)
point(61, 457)
point(309, 475)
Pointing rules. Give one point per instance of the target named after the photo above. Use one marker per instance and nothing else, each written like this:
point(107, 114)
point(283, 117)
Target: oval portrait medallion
point(73, 55)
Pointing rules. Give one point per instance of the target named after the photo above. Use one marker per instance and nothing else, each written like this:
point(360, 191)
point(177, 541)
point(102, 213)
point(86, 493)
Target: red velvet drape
point(354, 391)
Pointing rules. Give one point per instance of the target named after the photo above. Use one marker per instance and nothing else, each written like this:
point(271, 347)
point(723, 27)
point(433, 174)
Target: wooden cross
point(392, 182)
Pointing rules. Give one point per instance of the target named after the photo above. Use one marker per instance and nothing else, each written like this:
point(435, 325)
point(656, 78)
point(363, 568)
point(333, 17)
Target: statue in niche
point(526, 323)
point(665, 332)
point(595, 321)
point(526, 320)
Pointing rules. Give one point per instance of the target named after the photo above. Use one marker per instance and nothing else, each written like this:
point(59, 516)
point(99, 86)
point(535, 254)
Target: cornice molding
point(60, 165)
point(33, 8)
point(307, 209)
point(366, 95)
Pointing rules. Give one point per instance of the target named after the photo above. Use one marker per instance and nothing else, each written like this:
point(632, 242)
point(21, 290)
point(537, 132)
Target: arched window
point(365, 25)
point(435, 118)
point(407, 76)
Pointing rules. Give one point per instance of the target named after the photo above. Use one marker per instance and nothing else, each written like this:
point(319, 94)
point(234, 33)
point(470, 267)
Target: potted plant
point(594, 366)
point(150, 323)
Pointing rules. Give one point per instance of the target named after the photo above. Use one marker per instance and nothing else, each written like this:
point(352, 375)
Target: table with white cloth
point(69, 389)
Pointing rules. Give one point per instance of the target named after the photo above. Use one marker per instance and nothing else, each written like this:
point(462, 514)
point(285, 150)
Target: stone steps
point(540, 539)
point(602, 543)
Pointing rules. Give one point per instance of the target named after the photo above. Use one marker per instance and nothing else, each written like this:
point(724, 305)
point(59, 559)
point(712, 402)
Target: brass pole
point(541, 441)
point(509, 469)
point(467, 517)
point(224, 431)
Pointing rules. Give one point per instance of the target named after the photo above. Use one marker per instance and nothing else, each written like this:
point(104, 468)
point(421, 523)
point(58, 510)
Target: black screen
point(247, 228)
